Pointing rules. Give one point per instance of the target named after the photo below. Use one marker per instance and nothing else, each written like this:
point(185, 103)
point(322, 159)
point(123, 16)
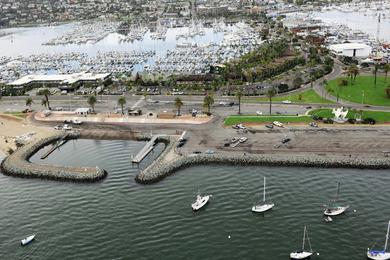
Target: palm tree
point(178, 105)
point(271, 92)
point(92, 101)
point(29, 102)
point(239, 95)
point(44, 103)
point(375, 73)
point(122, 102)
point(46, 93)
point(353, 71)
point(386, 69)
point(208, 101)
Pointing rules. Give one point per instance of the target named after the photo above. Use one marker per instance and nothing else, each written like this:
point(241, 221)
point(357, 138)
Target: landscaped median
point(237, 119)
point(379, 116)
point(308, 97)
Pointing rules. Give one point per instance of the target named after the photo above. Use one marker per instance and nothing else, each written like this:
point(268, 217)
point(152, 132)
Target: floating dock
point(146, 150)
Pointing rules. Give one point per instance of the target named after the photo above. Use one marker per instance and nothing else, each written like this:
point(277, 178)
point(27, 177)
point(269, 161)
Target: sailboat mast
point(303, 240)
point(264, 191)
point(338, 191)
point(387, 235)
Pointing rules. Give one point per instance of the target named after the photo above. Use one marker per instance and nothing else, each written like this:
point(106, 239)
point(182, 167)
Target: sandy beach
point(12, 127)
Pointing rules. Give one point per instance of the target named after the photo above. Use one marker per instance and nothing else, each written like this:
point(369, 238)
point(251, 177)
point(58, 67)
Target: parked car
point(67, 127)
point(286, 102)
point(58, 127)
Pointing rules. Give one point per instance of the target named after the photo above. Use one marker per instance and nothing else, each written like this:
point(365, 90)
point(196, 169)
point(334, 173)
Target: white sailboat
point(335, 209)
point(263, 206)
point(302, 254)
point(200, 202)
point(377, 254)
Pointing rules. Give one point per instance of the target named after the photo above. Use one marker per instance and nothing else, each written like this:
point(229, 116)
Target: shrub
point(369, 121)
point(352, 120)
point(328, 120)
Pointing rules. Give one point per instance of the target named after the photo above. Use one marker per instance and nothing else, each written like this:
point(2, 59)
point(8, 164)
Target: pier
point(145, 150)
point(55, 146)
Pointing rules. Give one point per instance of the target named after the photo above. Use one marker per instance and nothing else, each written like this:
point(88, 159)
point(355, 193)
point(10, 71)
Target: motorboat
point(77, 122)
point(200, 202)
point(27, 240)
point(334, 209)
point(263, 206)
point(67, 127)
point(302, 254)
point(380, 254)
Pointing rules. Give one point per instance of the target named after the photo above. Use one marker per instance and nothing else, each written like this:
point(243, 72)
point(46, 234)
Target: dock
point(55, 146)
point(145, 150)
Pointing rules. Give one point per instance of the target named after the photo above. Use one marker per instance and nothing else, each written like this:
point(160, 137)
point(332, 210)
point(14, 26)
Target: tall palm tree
point(386, 69)
point(122, 102)
point(271, 92)
point(178, 105)
point(29, 102)
point(239, 95)
point(375, 73)
point(46, 93)
point(208, 101)
point(44, 103)
point(92, 101)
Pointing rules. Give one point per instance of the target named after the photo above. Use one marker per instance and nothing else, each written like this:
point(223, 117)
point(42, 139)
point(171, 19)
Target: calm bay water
point(119, 219)
point(365, 22)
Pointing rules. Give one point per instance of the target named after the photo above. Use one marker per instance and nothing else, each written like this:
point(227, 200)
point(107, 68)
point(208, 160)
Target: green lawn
point(308, 96)
point(373, 95)
point(232, 120)
point(378, 116)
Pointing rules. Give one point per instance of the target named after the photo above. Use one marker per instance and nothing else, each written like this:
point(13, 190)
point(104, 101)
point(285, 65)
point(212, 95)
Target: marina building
point(74, 79)
point(353, 50)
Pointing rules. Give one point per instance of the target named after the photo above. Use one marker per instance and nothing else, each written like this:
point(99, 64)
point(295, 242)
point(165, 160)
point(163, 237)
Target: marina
point(166, 51)
point(101, 212)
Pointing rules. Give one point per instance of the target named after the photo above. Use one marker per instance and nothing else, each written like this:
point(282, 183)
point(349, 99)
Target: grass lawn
point(308, 96)
point(373, 95)
point(17, 114)
point(232, 120)
point(378, 116)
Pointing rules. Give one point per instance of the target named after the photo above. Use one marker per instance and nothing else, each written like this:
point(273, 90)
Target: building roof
point(349, 46)
point(61, 79)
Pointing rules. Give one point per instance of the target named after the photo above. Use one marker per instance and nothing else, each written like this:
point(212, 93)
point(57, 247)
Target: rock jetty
point(170, 161)
point(18, 164)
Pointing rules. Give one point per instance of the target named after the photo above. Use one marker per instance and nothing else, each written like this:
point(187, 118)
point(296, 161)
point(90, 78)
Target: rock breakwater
point(18, 164)
point(165, 166)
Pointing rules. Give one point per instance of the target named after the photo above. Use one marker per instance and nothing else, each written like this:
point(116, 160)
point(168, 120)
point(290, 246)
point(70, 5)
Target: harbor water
point(120, 219)
point(366, 22)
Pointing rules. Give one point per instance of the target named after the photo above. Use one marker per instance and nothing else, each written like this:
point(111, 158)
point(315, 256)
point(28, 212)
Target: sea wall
point(18, 164)
point(163, 167)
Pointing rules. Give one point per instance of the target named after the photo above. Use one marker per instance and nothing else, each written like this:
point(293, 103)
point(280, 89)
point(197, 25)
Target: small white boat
point(77, 122)
point(67, 127)
point(302, 254)
point(380, 254)
point(27, 240)
point(263, 206)
point(335, 210)
point(200, 202)
point(328, 219)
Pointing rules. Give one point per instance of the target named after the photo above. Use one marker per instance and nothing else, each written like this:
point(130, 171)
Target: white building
point(357, 50)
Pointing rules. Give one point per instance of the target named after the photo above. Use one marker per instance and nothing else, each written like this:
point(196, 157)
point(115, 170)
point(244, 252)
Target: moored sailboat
point(302, 254)
point(263, 206)
point(380, 254)
point(334, 209)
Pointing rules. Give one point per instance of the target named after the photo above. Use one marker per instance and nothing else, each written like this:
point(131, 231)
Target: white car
point(286, 102)
point(67, 127)
point(277, 123)
point(259, 113)
point(77, 122)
